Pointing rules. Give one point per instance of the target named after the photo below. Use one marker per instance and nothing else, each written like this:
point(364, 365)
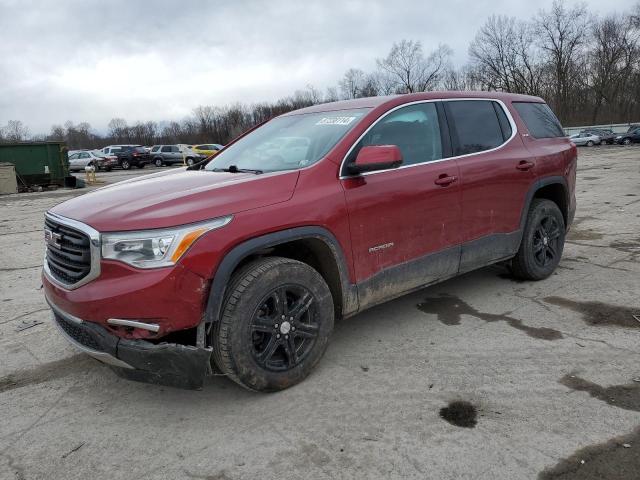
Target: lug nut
point(278, 336)
point(275, 326)
point(291, 319)
point(283, 317)
point(286, 337)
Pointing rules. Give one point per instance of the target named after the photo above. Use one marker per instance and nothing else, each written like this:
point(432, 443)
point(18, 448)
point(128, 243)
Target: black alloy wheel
point(275, 324)
point(283, 328)
point(546, 241)
point(542, 241)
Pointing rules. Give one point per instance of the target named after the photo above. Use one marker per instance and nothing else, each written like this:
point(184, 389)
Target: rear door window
point(539, 119)
point(476, 126)
point(166, 149)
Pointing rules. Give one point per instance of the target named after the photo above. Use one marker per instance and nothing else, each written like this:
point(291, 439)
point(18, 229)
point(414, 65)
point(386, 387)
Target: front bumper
point(171, 364)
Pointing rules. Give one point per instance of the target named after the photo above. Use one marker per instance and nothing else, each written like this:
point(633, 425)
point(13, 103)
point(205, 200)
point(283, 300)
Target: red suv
point(240, 265)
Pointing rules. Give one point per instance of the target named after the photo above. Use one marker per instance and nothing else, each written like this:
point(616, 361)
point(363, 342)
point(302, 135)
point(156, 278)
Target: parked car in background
point(632, 136)
point(587, 139)
point(72, 152)
point(207, 149)
point(632, 128)
point(606, 136)
point(132, 156)
point(245, 262)
point(83, 158)
point(172, 154)
point(112, 149)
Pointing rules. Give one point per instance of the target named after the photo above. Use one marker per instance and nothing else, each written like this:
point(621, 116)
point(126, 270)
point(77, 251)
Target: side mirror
point(376, 157)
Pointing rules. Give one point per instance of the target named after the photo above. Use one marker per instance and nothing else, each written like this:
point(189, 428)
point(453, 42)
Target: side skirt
point(399, 280)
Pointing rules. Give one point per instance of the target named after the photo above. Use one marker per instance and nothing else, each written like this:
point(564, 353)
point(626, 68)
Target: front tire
point(590, 143)
point(190, 161)
point(125, 164)
point(542, 241)
point(276, 323)
point(626, 141)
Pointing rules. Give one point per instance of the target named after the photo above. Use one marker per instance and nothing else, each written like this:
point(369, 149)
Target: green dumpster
point(37, 163)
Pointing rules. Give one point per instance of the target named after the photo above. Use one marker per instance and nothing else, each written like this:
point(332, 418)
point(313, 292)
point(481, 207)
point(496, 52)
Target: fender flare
point(537, 185)
point(238, 253)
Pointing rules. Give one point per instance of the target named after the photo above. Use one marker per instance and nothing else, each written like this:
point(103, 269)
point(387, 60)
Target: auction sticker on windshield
point(335, 120)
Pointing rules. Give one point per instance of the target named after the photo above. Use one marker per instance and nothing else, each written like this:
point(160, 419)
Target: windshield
point(290, 142)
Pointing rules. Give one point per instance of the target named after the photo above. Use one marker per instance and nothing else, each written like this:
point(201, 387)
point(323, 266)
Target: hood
point(173, 198)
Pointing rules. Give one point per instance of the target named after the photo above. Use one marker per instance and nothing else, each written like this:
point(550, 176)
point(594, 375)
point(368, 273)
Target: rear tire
point(158, 162)
point(190, 161)
point(542, 241)
point(626, 141)
point(275, 326)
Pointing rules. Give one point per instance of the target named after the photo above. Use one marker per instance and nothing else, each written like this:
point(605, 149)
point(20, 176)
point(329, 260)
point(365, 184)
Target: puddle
point(46, 372)
point(626, 396)
point(449, 310)
point(617, 459)
point(460, 413)
point(599, 314)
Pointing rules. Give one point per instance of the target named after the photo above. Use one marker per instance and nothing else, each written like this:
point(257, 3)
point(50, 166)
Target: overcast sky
point(92, 61)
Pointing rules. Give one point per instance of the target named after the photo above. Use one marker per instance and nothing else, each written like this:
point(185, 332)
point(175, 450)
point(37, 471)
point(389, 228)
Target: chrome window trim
point(514, 132)
point(94, 249)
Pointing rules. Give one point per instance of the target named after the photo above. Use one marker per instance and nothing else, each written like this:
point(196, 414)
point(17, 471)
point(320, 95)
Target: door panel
point(398, 220)
point(405, 222)
point(495, 181)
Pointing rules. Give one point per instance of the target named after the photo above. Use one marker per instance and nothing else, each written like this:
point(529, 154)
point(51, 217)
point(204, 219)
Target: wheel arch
point(551, 188)
point(315, 246)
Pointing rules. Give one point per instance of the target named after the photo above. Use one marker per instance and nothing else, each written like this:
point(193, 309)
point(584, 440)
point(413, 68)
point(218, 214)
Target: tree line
point(587, 67)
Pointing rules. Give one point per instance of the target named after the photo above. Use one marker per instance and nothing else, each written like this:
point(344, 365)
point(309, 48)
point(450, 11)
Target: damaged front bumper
point(182, 366)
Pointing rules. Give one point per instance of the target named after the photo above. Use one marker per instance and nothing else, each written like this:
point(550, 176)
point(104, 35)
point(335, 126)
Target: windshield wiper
point(235, 169)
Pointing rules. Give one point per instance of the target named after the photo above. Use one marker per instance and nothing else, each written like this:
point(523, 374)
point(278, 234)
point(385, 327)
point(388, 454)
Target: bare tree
point(15, 131)
point(465, 78)
point(331, 95)
point(352, 83)
point(562, 34)
point(412, 72)
point(612, 61)
point(118, 130)
point(503, 57)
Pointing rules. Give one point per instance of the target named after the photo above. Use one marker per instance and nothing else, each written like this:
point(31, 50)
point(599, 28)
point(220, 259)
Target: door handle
point(444, 180)
point(525, 165)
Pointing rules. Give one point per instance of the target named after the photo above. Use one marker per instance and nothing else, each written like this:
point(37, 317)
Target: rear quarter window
point(539, 119)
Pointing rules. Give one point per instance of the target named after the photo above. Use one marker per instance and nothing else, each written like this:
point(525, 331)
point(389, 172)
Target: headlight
point(156, 248)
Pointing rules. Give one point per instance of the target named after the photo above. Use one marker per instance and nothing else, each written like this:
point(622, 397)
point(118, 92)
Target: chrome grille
point(70, 258)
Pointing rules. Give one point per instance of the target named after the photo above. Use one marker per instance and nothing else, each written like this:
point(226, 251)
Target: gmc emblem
point(52, 238)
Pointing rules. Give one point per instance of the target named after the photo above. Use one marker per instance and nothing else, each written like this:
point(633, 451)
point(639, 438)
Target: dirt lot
point(478, 377)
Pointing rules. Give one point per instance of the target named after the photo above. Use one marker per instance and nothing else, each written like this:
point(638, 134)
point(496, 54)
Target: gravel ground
point(478, 377)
